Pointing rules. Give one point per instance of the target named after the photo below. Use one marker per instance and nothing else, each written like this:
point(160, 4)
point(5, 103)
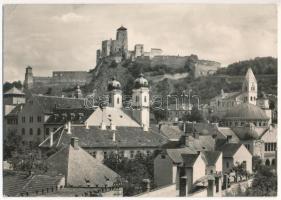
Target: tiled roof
point(202, 143)
point(189, 159)
point(228, 150)
point(16, 110)
point(176, 154)
point(226, 131)
point(94, 137)
point(80, 168)
point(14, 91)
point(246, 111)
point(75, 115)
point(111, 115)
point(246, 133)
point(170, 131)
point(49, 103)
point(15, 183)
point(211, 157)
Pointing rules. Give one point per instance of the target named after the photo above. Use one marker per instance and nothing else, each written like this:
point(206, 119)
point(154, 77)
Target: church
point(247, 119)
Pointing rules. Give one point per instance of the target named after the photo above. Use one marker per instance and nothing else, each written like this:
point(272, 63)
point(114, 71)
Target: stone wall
point(170, 61)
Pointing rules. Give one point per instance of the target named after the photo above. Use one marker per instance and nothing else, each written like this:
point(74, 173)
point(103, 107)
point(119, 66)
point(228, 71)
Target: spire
point(250, 75)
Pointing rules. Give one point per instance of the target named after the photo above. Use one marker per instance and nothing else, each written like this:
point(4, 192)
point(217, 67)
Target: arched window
point(23, 131)
point(251, 98)
point(30, 131)
point(118, 100)
point(38, 131)
point(144, 98)
point(273, 162)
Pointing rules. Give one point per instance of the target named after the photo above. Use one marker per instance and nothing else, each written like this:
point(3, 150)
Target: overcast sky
point(65, 37)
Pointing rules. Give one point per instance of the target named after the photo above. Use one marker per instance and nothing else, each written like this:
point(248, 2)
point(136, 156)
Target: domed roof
point(246, 111)
point(141, 82)
point(113, 84)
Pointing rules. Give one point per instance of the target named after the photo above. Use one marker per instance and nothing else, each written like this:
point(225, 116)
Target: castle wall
point(170, 61)
point(106, 48)
point(81, 77)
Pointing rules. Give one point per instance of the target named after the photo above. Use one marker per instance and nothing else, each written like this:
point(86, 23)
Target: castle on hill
point(118, 49)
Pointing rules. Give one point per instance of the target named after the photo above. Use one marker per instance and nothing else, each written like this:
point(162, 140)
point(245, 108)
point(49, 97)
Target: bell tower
point(115, 93)
point(140, 103)
point(250, 88)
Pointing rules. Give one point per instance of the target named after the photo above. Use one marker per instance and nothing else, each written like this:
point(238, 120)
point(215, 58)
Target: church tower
point(140, 102)
point(28, 79)
point(250, 88)
point(122, 38)
point(115, 93)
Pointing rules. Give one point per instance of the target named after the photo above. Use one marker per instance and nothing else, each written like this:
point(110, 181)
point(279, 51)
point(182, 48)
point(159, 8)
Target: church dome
point(246, 111)
point(113, 84)
point(141, 82)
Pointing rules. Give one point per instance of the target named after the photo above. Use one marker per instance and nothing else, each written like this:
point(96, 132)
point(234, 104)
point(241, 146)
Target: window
point(137, 99)
point(23, 131)
point(259, 123)
point(47, 131)
point(121, 154)
point(23, 119)
point(105, 155)
point(38, 131)
point(131, 154)
point(247, 146)
point(94, 154)
point(31, 119)
point(148, 153)
point(144, 98)
point(251, 98)
point(39, 119)
point(118, 100)
point(30, 131)
point(227, 164)
point(265, 146)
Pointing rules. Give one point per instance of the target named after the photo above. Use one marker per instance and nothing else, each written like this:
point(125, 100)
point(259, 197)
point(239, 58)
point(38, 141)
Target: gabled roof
point(94, 137)
point(211, 157)
point(14, 91)
point(189, 159)
point(250, 75)
point(49, 103)
point(15, 111)
point(80, 168)
point(176, 154)
point(112, 115)
point(227, 131)
point(170, 131)
point(229, 149)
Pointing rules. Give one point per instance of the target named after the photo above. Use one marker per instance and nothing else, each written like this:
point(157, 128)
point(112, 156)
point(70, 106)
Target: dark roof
point(94, 137)
point(189, 159)
point(49, 103)
point(246, 111)
point(80, 168)
point(211, 157)
point(75, 115)
point(170, 131)
point(15, 183)
point(121, 28)
point(229, 149)
point(15, 111)
point(176, 154)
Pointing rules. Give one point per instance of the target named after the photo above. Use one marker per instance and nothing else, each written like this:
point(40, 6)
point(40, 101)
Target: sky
point(66, 37)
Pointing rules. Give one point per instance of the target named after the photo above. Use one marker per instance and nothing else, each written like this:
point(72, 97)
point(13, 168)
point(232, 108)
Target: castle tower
point(78, 93)
point(140, 103)
point(28, 79)
point(122, 38)
point(250, 88)
point(115, 93)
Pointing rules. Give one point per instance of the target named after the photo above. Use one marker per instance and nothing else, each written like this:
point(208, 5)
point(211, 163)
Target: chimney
point(68, 127)
point(103, 126)
point(74, 143)
point(86, 125)
point(113, 136)
point(210, 190)
point(51, 139)
point(145, 128)
point(112, 127)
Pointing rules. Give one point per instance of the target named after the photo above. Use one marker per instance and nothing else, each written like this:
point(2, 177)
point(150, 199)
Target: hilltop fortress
point(118, 50)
